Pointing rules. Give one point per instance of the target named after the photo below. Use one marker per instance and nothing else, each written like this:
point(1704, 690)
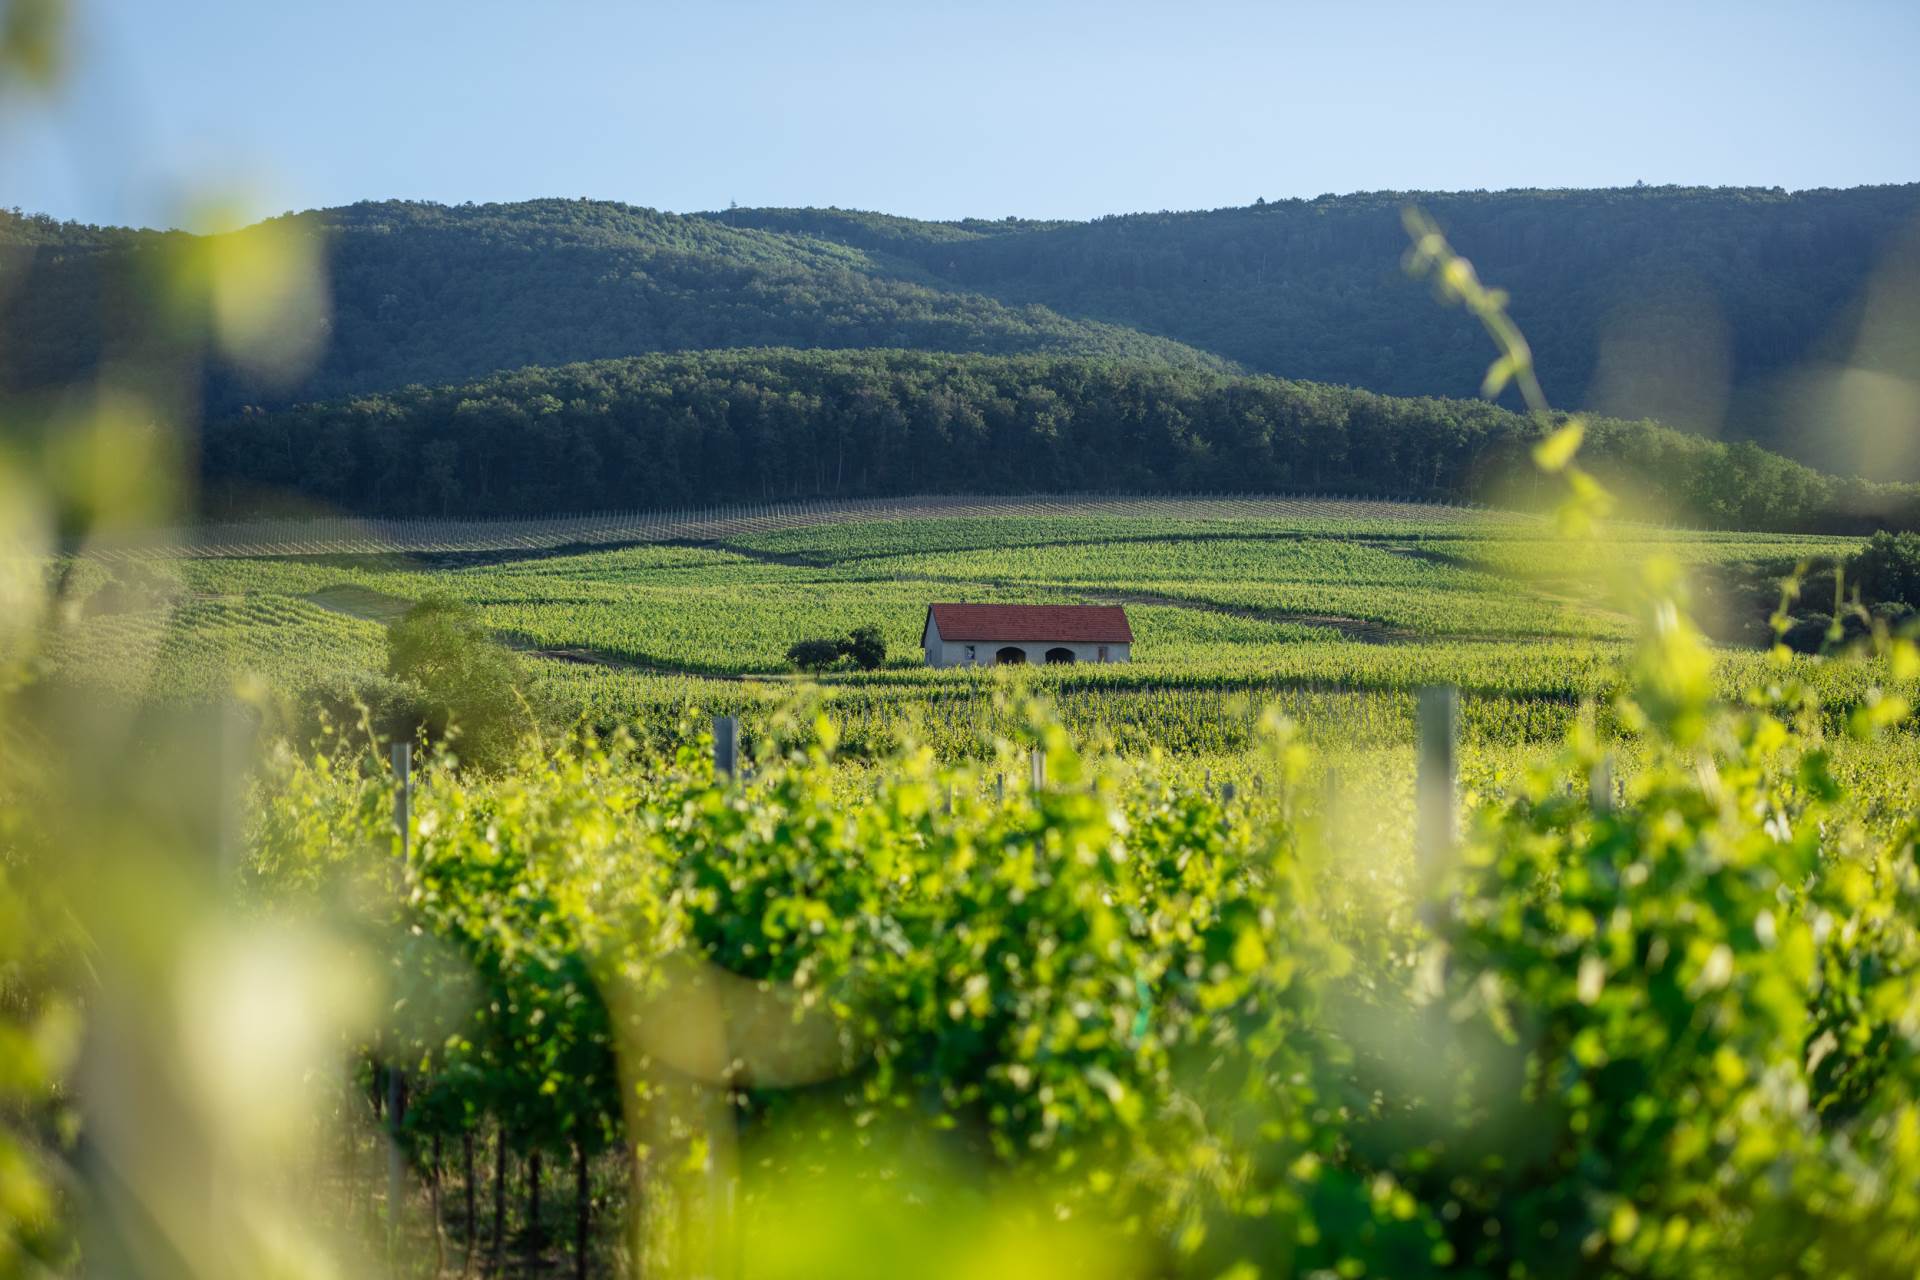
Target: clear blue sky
point(969, 107)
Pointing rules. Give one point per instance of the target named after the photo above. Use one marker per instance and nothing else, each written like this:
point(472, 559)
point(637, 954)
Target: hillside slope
point(1703, 308)
point(425, 293)
point(1714, 310)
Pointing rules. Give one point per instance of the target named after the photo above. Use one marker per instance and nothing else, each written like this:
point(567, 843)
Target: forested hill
point(1710, 309)
point(427, 293)
point(760, 425)
point(1714, 310)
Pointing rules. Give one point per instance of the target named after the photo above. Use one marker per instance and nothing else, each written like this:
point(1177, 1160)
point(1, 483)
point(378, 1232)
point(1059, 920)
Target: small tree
point(814, 655)
point(1887, 569)
point(866, 646)
point(471, 684)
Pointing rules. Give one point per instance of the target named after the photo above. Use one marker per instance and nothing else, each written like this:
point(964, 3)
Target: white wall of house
point(984, 653)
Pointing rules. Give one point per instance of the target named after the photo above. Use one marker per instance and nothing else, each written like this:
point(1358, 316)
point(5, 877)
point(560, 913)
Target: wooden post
point(1436, 797)
point(999, 788)
point(1038, 762)
point(726, 746)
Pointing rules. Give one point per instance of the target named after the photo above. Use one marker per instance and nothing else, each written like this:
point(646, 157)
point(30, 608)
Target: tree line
point(765, 425)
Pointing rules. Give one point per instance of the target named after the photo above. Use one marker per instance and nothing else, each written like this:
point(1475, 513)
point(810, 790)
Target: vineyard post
point(1438, 785)
point(1038, 762)
point(1600, 785)
point(726, 746)
point(999, 788)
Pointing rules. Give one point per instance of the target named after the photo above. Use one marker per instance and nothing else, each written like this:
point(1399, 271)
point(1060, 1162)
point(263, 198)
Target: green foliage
point(469, 684)
point(1887, 569)
point(1306, 289)
point(867, 646)
point(814, 655)
point(752, 426)
point(1649, 978)
point(33, 38)
point(1337, 611)
point(538, 283)
point(40, 1032)
point(1672, 1033)
point(390, 708)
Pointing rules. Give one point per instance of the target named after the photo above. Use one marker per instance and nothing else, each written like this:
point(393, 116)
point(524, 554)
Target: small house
point(987, 635)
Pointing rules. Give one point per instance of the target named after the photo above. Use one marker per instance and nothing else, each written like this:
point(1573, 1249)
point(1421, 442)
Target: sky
point(1047, 108)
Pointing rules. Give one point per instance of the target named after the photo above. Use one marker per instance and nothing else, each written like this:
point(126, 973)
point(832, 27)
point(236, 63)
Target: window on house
point(969, 653)
point(1103, 653)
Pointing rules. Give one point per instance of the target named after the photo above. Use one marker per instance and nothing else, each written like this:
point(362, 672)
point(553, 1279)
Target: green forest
point(1707, 300)
point(425, 293)
point(767, 425)
point(1702, 308)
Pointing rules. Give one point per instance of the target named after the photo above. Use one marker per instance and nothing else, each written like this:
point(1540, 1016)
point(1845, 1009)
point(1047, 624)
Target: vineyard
point(332, 535)
point(1260, 598)
point(1166, 1028)
point(1171, 968)
point(1334, 614)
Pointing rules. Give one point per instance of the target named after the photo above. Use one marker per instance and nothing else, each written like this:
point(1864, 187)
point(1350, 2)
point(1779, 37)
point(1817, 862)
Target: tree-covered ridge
point(427, 293)
point(1685, 304)
point(758, 425)
point(1702, 308)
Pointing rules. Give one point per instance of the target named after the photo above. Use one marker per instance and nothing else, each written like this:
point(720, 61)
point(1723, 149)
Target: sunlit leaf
point(1557, 450)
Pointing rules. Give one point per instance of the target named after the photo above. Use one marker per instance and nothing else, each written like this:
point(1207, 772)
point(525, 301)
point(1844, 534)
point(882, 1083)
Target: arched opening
point(1059, 655)
point(1012, 655)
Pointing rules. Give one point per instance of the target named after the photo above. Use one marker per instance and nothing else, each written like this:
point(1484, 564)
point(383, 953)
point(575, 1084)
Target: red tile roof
point(1085, 623)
